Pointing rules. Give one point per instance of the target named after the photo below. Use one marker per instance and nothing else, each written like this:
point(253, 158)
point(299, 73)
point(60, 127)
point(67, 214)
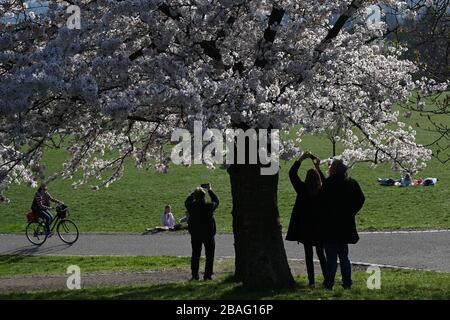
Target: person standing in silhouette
point(202, 227)
point(303, 226)
point(341, 198)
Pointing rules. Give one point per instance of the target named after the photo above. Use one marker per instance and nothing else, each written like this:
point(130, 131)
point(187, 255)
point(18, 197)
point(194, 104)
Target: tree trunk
point(261, 260)
point(334, 147)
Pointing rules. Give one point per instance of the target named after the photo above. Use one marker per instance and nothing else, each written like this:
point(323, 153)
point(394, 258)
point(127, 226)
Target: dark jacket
point(42, 201)
point(201, 222)
point(341, 198)
point(303, 226)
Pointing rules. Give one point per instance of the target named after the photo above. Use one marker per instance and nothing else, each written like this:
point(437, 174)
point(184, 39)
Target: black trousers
point(310, 263)
point(210, 246)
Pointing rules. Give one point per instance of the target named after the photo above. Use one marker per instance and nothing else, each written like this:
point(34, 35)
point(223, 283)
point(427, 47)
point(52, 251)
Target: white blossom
point(138, 69)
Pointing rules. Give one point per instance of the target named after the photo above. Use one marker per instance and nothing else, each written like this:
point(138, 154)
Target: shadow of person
point(36, 250)
point(154, 231)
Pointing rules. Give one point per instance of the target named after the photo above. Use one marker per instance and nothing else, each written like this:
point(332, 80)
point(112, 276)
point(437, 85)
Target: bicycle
point(66, 229)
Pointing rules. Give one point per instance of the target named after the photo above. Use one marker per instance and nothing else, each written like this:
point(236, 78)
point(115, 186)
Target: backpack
point(32, 217)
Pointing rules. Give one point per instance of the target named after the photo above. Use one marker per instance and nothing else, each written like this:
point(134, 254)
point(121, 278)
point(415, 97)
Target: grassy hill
point(137, 201)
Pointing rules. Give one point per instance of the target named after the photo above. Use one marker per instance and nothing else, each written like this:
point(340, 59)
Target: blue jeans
point(332, 251)
point(46, 215)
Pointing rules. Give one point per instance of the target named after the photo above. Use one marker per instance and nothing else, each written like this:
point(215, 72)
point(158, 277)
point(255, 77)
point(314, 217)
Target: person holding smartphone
point(202, 227)
point(341, 198)
point(304, 223)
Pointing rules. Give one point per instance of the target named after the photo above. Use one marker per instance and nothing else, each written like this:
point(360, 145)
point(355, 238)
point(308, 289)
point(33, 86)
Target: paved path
point(424, 250)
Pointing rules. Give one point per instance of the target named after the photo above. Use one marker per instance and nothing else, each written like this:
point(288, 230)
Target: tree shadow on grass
point(238, 291)
point(221, 289)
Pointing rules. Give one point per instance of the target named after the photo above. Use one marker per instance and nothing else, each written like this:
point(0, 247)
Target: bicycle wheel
point(35, 232)
point(67, 231)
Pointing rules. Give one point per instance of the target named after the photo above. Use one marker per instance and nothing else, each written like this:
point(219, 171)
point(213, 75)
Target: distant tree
point(426, 34)
point(428, 39)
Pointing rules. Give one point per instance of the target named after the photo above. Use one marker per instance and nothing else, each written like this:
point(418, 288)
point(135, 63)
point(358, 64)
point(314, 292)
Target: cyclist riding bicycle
point(41, 205)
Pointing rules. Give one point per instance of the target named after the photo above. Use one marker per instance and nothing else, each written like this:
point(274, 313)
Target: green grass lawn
point(17, 265)
point(395, 284)
point(137, 201)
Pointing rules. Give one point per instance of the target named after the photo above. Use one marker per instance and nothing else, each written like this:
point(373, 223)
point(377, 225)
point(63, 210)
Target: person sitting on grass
point(168, 220)
point(405, 181)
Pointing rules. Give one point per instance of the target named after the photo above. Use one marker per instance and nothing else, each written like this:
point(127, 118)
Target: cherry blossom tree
point(428, 42)
point(117, 87)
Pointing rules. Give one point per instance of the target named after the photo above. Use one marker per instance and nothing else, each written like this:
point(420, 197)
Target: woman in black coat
point(303, 226)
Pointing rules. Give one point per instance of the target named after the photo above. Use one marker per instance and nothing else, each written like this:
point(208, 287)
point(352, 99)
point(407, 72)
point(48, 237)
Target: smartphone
point(205, 185)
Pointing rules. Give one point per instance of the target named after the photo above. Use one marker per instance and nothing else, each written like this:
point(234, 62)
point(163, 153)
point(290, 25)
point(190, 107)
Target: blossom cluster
point(138, 69)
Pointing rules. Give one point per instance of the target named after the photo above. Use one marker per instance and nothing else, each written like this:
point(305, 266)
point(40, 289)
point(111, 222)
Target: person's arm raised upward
point(293, 173)
point(214, 198)
point(316, 162)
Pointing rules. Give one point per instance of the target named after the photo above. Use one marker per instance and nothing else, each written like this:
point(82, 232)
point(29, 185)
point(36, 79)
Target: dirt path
point(38, 283)
point(224, 266)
